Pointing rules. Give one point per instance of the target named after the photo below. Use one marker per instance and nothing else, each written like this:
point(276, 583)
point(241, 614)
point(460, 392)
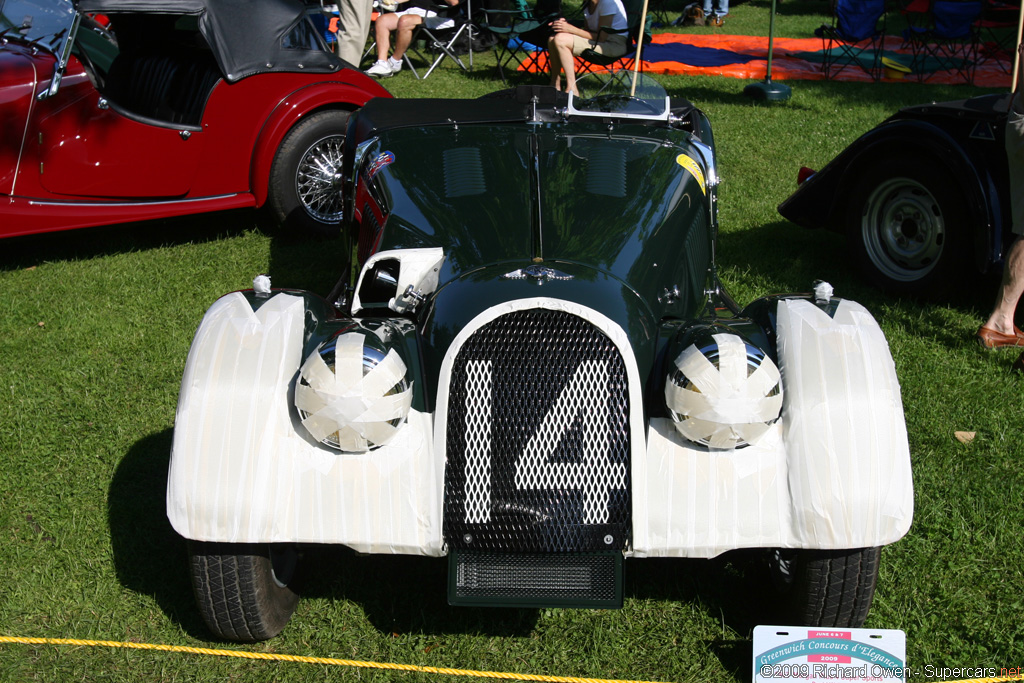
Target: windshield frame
point(621, 95)
point(64, 35)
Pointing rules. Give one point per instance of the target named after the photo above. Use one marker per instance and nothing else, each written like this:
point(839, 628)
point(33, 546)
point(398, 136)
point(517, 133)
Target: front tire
point(906, 225)
point(245, 592)
point(827, 588)
point(306, 177)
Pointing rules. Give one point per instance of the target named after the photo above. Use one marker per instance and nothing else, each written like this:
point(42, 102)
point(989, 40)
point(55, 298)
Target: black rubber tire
point(906, 225)
point(827, 588)
point(245, 592)
point(306, 176)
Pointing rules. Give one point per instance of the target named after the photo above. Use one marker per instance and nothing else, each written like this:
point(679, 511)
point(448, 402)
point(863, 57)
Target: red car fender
point(299, 104)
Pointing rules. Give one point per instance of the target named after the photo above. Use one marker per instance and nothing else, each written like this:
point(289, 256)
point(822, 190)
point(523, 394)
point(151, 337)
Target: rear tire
point(306, 177)
point(907, 225)
point(827, 588)
point(245, 592)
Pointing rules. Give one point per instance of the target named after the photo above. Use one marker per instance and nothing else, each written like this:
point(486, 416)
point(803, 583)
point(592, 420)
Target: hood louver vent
point(463, 173)
point(606, 172)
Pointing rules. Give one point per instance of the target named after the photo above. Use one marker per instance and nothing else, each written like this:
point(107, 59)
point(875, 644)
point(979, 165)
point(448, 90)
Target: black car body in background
point(920, 197)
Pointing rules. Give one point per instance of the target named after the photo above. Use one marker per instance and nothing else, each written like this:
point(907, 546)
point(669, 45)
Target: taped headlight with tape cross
point(724, 394)
point(352, 393)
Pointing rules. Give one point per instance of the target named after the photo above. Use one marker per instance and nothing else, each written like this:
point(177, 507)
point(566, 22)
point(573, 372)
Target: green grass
point(95, 326)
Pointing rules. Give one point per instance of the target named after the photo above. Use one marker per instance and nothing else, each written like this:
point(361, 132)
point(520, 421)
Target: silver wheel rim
point(318, 179)
point(903, 229)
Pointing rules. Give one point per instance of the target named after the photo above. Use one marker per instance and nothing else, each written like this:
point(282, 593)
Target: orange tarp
point(792, 58)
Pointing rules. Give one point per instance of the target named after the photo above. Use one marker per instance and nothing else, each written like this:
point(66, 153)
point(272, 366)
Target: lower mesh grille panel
point(535, 579)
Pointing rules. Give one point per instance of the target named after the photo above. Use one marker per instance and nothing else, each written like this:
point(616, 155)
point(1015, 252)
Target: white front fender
point(834, 472)
point(244, 470)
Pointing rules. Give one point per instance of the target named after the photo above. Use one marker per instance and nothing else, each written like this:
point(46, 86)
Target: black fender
point(821, 202)
point(763, 313)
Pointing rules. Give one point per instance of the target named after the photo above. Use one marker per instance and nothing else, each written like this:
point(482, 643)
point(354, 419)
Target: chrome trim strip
point(197, 200)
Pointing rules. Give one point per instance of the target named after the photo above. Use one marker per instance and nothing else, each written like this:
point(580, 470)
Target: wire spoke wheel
point(306, 179)
point(318, 179)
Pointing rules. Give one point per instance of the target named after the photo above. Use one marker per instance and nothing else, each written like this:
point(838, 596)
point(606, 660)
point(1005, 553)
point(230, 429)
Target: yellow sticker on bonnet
point(691, 166)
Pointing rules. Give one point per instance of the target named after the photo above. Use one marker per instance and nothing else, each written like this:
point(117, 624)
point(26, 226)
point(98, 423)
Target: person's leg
point(353, 27)
point(723, 8)
point(385, 24)
point(403, 35)
point(554, 63)
point(563, 43)
point(1001, 319)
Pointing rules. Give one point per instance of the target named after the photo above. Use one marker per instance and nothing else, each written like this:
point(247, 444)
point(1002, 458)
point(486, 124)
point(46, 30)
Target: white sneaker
point(396, 66)
point(380, 69)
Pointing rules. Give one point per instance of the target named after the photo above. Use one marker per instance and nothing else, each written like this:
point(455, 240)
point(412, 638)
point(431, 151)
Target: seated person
point(410, 14)
point(568, 41)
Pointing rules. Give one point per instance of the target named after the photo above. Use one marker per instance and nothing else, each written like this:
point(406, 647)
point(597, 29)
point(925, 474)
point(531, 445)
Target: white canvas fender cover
point(244, 470)
point(833, 473)
point(849, 458)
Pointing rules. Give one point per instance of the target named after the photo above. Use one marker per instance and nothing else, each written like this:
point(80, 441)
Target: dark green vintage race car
point(536, 373)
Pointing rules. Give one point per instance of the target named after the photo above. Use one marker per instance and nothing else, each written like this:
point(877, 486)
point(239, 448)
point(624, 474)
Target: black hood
point(246, 36)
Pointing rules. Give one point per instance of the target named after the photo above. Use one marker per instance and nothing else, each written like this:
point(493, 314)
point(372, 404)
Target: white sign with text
point(829, 655)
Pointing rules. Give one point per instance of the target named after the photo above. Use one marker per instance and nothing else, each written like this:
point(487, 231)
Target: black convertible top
point(245, 36)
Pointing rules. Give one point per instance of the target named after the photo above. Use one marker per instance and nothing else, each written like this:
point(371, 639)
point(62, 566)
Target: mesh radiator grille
point(537, 438)
point(539, 580)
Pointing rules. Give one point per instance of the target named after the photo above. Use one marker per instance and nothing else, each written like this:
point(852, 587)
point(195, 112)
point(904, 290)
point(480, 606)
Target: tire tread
point(236, 594)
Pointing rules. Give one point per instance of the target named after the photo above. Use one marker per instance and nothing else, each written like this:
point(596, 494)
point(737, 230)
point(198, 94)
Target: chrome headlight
point(352, 393)
point(723, 394)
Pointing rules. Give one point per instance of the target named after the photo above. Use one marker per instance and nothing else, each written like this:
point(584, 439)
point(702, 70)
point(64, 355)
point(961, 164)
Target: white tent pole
point(1016, 53)
point(640, 46)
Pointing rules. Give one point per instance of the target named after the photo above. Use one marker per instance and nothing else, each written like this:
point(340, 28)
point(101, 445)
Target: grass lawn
point(95, 326)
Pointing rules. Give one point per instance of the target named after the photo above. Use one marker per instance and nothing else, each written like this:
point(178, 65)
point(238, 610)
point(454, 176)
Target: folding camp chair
point(441, 40)
point(522, 32)
point(639, 29)
point(997, 33)
point(855, 37)
point(946, 38)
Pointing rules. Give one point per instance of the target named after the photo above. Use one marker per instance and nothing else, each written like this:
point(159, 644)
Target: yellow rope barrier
point(304, 659)
point(241, 654)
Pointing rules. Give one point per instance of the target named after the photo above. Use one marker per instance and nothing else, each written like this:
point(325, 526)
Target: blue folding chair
point(855, 37)
point(946, 38)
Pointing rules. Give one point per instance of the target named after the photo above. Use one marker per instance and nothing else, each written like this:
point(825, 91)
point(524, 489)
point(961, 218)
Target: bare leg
point(563, 48)
point(554, 64)
point(1010, 292)
point(382, 28)
point(403, 36)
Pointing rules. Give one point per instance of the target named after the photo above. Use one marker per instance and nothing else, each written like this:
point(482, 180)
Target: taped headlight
point(724, 394)
point(352, 394)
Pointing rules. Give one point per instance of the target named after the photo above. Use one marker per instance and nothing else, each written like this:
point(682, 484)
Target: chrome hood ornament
point(541, 274)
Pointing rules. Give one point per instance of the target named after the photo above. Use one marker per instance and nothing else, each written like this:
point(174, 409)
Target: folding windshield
point(620, 94)
point(48, 25)
point(44, 23)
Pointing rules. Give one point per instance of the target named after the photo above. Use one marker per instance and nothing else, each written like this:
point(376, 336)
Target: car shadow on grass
point(150, 558)
point(402, 594)
point(791, 258)
point(106, 240)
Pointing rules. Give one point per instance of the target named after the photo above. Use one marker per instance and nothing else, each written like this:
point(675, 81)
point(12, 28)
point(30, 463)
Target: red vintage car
point(128, 110)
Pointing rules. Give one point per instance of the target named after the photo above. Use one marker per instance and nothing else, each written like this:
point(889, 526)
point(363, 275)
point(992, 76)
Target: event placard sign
point(820, 655)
